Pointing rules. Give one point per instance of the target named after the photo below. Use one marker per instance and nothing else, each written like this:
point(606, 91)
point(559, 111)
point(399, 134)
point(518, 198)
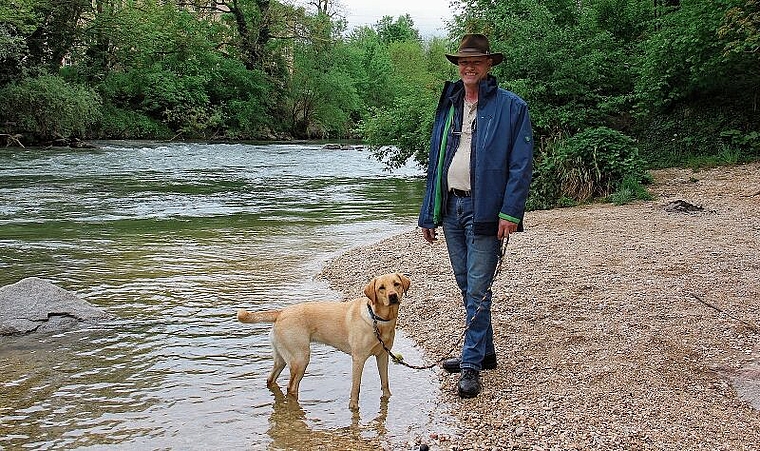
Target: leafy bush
point(630, 189)
point(684, 60)
point(698, 130)
point(402, 130)
point(243, 97)
point(119, 123)
point(246, 119)
point(694, 85)
point(48, 107)
point(748, 142)
point(545, 189)
point(595, 162)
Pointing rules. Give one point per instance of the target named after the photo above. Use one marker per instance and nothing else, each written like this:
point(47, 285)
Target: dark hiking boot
point(452, 365)
point(469, 383)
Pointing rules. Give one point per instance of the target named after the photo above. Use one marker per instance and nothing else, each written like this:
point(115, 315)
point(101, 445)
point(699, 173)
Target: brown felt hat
point(475, 45)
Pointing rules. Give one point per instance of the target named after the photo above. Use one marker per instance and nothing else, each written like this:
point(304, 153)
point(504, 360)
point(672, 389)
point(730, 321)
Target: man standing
point(479, 170)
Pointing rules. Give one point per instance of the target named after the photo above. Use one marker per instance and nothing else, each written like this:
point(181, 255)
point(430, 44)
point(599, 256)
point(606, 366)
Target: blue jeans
point(473, 259)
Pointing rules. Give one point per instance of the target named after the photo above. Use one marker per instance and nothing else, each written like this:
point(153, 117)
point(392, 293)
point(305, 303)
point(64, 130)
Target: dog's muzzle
point(393, 298)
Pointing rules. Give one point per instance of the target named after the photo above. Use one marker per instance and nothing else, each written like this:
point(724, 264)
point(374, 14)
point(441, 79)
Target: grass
point(631, 189)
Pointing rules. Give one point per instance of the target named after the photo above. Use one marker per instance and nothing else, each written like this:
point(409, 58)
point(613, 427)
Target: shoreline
point(616, 327)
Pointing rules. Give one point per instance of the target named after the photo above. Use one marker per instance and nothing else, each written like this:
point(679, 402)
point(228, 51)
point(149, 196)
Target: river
point(172, 239)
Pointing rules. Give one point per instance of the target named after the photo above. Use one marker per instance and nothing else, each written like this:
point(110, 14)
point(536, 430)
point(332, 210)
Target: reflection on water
point(173, 239)
point(288, 426)
point(152, 386)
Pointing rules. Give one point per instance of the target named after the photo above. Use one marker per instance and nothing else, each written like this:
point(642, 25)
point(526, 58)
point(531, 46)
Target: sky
point(428, 15)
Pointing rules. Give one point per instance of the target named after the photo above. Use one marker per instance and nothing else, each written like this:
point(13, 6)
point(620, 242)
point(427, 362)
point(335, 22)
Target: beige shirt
point(459, 171)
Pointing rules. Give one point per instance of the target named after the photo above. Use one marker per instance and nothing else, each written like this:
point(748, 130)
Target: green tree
point(56, 32)
point(685, 58)
point(12, 51)
point(741, 28)
point(161, 74)
point(401, 129)
point(399, 30)
point(322, 95)
point(693, 88)
point(36, 35)
point(253, 21)
point(372, 72)
point(158, 66)
point(561, 58)
point(436, 63)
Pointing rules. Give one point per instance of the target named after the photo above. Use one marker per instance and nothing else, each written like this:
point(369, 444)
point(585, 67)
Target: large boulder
point(36, 305)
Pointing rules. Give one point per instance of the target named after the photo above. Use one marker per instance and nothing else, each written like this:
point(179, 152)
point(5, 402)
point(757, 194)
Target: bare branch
point(12, 139)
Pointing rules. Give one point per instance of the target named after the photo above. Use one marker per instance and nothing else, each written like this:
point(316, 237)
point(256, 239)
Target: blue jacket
point(501, 161)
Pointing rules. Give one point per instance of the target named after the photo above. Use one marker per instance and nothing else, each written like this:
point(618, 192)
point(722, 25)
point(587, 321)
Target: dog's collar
point(374, 316)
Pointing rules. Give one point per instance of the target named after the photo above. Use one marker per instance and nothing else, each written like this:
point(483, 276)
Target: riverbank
point(616, 327)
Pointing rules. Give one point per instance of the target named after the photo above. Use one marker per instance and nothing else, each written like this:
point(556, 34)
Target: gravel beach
point(630, 327)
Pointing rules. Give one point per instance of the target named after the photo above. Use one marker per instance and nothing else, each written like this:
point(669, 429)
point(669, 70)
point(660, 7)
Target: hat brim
point(496, 58)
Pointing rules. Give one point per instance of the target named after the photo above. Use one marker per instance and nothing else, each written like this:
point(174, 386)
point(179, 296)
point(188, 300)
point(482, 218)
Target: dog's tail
point(268, 316)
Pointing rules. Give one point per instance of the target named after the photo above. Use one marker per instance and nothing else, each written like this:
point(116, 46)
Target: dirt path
point(629, 327)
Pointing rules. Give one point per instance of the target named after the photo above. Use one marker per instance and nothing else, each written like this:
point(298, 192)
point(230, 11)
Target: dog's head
point(387, 290)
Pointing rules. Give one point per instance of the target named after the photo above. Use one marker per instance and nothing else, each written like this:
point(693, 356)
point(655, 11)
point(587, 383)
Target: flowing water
point(172, 239)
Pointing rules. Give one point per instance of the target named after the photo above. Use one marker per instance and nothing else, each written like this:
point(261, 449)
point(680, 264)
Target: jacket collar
point(455, 90)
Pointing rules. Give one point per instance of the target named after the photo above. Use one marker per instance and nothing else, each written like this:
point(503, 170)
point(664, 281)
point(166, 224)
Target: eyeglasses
point(476, 63)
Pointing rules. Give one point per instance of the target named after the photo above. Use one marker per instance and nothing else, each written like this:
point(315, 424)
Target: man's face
point(472, 69)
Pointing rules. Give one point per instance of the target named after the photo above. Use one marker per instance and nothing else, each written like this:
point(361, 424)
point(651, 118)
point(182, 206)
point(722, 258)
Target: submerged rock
point(342, 147)
point(36, 305)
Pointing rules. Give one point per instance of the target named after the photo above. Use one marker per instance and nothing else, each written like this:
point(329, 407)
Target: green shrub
point(630, 189)
point(748, 143)
point(544, 188)
point(402, 130)
point(246, 119)
point(47, 107)
point(119, 123)
point(594, 163)
point(698, 131)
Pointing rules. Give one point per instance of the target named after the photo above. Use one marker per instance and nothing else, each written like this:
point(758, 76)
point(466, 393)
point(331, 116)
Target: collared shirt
point(459, 171)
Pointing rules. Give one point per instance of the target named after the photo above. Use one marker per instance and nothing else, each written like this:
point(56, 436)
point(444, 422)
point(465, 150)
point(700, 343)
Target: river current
point(172, 239)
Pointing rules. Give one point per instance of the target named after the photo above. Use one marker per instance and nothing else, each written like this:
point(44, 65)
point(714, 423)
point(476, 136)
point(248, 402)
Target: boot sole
point(451, 370)
point(467, 395)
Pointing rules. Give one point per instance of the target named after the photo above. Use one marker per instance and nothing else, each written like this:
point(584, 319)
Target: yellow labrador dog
point(348, 326)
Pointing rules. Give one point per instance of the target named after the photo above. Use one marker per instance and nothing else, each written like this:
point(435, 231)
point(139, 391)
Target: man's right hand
point(429, 235)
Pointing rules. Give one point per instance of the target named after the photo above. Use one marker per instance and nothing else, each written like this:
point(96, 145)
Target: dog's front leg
point(382, 368)
point(357, 366)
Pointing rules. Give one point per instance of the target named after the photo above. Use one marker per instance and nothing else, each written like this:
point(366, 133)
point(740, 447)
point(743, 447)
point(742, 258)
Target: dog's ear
point(369, 290)
point(405, 282)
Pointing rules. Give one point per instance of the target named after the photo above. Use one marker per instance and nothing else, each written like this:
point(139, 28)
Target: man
point(479, 170)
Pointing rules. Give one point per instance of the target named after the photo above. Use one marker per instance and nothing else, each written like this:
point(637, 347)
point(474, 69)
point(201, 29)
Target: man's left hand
point(505, 228)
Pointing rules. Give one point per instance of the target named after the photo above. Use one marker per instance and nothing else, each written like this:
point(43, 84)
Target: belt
point(460, 193)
